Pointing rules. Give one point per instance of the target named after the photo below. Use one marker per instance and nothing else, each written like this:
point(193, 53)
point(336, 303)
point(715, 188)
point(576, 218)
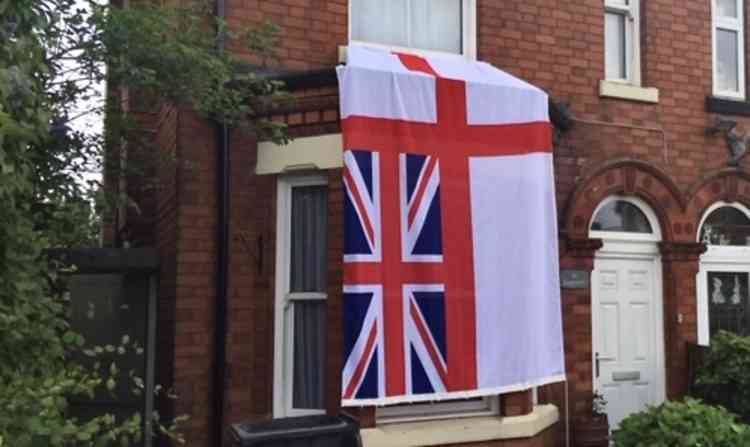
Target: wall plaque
point(575, 279)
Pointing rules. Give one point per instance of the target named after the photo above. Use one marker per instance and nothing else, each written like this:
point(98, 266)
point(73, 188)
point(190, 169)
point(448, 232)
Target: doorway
point(627, 308)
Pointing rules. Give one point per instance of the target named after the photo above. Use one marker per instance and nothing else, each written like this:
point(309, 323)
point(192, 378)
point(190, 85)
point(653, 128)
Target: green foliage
point(53, 54)
point(682, 424)
point(723, 378)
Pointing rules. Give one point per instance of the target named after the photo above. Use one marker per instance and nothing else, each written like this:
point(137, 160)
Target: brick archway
point(726, 185)
point(631, 178)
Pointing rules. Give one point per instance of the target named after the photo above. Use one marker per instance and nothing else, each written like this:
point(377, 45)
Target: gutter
point(223, 170)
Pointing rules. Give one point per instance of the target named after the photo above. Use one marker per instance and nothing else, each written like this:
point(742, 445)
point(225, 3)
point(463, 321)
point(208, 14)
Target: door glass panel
point(726, 226)
point(621, 216)
point(728, 302)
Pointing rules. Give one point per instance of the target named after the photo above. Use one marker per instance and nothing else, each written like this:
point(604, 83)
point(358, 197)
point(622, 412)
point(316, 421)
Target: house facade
point(653, 203)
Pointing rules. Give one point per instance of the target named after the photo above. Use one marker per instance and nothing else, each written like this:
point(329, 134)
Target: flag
point(451, 277)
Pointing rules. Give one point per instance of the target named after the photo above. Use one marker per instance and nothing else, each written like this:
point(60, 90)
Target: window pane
point(308, 389)
point(380, 21)
point(621, 216)
point(726, 8)
point(727, 302)
point(726, 60)
point(436, 25)
point(726, 226)
point(615, 53)
point(309, 231)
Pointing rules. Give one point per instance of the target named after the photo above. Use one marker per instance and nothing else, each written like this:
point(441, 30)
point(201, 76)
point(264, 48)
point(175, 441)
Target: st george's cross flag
point(451, 283)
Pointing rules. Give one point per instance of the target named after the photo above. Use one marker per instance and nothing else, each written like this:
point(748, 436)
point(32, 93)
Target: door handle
point(596, 365)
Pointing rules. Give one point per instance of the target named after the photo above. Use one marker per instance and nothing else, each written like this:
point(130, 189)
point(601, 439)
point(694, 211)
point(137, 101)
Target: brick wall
point(658, 152)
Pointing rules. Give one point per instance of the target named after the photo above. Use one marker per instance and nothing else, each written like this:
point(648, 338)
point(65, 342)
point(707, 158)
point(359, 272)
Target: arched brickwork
point(728, 185)
point(626, 177)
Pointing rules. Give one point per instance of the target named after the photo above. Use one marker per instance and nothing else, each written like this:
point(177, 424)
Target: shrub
point(723, 378)
point(677, 424)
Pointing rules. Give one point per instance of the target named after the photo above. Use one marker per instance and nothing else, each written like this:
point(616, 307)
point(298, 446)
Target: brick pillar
point(516, 404)
point(578, 254)
point(680, 264)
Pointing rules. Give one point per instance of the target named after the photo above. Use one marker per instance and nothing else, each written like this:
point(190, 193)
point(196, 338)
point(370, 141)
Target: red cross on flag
point(451, 286)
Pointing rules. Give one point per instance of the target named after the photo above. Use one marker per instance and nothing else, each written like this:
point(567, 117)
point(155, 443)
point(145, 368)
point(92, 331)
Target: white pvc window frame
point(468, 35)
point(717, 258)
point(284, 299)
point(630, 10)
point(736, 25)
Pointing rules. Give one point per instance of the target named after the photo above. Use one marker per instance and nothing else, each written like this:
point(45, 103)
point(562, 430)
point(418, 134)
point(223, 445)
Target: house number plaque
point(575, 279)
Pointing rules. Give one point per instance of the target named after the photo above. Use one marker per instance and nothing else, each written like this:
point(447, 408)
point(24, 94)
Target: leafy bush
point(723, 378)
point(676, 424)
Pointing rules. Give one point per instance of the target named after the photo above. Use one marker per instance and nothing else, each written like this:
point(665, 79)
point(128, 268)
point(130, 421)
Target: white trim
point(737, 25)
point(631, 13)
point(634, 246)
point(468, 36)
point(621, 90)
point(283, 311)
point(319, 152)
point(717, 258)
point(460, 431)
point(653, 220)
point(454, 394)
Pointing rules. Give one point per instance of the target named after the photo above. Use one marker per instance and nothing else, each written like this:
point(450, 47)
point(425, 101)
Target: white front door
point(627, 334)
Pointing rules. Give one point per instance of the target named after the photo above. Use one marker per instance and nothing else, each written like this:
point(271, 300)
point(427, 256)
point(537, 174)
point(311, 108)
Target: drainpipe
point(223, 166)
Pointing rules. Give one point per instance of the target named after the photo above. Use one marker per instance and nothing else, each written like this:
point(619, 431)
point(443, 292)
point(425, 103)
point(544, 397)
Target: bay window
point(728, 48)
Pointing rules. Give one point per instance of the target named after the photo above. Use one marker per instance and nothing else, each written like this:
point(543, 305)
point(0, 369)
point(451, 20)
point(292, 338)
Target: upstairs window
point(622, 41)
point(445, 26)
point(728, 48)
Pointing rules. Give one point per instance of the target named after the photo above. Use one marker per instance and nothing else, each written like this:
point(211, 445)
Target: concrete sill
point(461, 430)
point(611, 89)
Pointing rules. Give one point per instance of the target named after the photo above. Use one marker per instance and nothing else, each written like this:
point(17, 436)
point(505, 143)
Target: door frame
point(640, 247)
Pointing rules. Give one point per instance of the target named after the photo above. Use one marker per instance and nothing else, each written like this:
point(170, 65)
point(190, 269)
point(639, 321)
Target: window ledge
point(724, 106)
point(463, 430)
point(612, 89)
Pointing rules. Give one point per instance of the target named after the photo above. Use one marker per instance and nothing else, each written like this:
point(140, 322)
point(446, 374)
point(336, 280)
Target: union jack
point(424, 335)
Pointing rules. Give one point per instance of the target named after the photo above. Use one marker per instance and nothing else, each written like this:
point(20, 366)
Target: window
point(301, 297)
point(622, 41)
point(728, 48)
point(726, 225)
point(724, 275)
point(621, 216)
point(480, 406)
point(446, 26)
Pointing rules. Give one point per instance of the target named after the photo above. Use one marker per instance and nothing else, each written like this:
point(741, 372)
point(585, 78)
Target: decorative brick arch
point(631, 178)
point(726, 185)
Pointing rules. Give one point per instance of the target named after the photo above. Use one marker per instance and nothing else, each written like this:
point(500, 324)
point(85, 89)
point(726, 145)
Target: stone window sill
point(620, 90)
point(461, 430)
